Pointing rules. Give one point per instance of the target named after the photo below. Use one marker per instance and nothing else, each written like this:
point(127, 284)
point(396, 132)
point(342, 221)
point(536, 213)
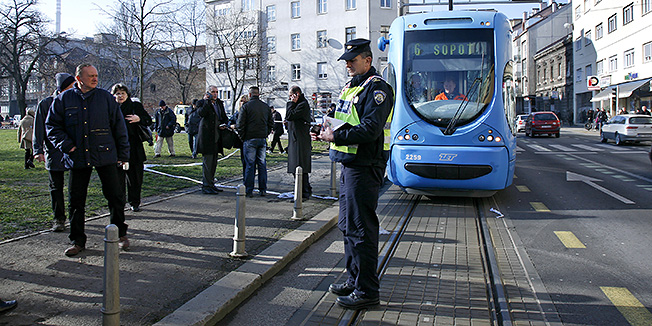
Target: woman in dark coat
point(297, 115)
point(135, 115)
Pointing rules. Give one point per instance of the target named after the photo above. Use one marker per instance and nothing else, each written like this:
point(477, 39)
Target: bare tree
point(139, 20)
point(237, 48)
point(185, 27)
point(24, 42)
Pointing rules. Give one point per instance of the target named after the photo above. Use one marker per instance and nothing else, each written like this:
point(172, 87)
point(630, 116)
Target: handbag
point(230, 139)
point(145, 134)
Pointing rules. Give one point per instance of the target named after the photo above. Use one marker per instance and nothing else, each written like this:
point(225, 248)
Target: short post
point(240, 212)
point(298, 194)
point(111, 304)
point(333, 179)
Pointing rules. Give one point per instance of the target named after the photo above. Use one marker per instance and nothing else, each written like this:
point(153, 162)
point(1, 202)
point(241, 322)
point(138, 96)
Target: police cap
point(354, 47)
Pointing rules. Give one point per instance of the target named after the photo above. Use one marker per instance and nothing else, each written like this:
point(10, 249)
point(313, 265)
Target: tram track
point(496, 298)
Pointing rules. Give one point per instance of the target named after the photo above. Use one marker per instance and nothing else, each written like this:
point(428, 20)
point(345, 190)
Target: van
point(180, 110)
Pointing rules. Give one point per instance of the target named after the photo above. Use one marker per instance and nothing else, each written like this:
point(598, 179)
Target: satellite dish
point(335, 44)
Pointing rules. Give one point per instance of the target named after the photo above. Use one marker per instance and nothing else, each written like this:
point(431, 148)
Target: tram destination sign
point(448, 49)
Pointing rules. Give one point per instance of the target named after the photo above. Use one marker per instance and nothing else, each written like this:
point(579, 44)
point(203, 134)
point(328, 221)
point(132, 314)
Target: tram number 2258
point(412, 157)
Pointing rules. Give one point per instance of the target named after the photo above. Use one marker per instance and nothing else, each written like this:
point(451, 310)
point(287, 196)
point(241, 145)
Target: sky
point(82, 17)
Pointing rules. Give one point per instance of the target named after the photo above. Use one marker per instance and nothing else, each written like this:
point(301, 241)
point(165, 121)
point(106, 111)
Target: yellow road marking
point(539, 206)
point(632, 309)
point(523, 188)
point(569, 240)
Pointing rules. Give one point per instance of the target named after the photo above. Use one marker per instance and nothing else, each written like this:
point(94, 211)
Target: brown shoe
point(74, 250)
point(124, 243)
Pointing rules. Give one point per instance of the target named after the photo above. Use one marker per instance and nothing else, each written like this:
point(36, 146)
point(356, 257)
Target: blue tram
point(452, 130)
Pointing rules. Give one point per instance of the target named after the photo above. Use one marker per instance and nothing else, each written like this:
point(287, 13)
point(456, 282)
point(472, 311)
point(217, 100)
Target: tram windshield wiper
point(451, 127)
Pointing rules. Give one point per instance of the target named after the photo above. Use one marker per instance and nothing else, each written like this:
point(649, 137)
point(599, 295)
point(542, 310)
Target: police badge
point(379, 97)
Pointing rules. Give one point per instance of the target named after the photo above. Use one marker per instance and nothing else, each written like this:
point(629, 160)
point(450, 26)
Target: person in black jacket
point(278, 131)
point(254, 124)
point(299, 143)
point(166, 122)
point(209, 140)
point(135, 115)
point(192, 127)
point(85, 123)
point(44, 151)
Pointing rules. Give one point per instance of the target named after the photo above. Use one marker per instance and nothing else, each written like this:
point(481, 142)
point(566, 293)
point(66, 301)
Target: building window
point(578, 75)
point(271, 13)
point(351, 4)
point(588, 70)
point(647, 52)
point(322, 6)
point(578, 12)
point(321, 70)
point(587, 5)
point(646, 6)
point(295, 9)
point(385, 4)
point(247, 5)
point(560, 68)
point(296, 41)
point(524, 62)
point(629, 58)
point(587, 38)
point(628, 14)
point(613, 63)
point(295, 68)
point(543, 76)
point(322, 39)
point(552, 72)
point(221, 65)
point(612, 24)
point(271, 73)
point(599, 67)
point(578, 43)
point(271, 44)
point(350, 33)
point(384, 31)
point(598, 31)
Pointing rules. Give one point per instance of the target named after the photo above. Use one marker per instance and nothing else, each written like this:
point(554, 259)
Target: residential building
point(613, 42)
point(554, 81)
point(300, 42)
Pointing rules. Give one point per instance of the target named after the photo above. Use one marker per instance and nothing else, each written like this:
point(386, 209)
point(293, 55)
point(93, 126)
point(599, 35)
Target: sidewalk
point(179, 248)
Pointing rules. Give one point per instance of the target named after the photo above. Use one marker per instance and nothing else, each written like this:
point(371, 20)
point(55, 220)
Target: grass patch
point(25, 196)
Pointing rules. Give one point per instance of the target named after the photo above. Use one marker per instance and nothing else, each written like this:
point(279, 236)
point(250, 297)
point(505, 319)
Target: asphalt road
point(583, 211)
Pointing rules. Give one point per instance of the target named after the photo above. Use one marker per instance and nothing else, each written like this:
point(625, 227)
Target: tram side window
point(509, 96)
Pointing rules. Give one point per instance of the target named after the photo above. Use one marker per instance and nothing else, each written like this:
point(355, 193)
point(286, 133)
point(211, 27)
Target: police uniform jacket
point(209, 140)
point(93, 123)
point(43, 145)
point(299, 142)
point(373, 116)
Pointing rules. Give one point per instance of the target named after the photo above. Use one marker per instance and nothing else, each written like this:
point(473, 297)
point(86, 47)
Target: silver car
point(627, 127)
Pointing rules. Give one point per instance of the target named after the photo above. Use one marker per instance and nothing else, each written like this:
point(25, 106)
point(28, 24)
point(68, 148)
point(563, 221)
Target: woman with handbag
point(136, 119)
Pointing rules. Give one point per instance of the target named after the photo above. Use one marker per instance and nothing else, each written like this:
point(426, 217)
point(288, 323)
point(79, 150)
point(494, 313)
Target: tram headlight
point(400, 137)
point(481, 138)
point(415, 137)
point(490, 138)
point(407, 137)
point(498, 139)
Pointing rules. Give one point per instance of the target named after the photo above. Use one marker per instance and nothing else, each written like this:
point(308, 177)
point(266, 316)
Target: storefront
point(631, 95)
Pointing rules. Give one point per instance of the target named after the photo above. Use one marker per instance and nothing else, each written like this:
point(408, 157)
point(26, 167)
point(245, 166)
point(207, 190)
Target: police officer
point(361, 145)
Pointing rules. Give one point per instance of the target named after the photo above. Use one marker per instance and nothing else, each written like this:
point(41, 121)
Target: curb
point(214, 303)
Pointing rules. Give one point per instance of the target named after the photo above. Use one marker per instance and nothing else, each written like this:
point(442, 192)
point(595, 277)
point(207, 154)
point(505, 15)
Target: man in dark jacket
point(299, 143)
point(86, 125)
point(254, 124)
point(209, 140)
point(44, 151)
point(192, 127)
point(165, 123)
point(278, 131)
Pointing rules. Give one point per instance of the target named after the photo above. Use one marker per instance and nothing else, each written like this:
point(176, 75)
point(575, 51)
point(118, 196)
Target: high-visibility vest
point(346, 111)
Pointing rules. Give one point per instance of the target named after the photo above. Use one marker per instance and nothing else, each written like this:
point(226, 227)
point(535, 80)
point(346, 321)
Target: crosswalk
point(579, 148)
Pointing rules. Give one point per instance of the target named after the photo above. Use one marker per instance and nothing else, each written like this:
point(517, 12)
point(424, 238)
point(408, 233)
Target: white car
point(520, 122)
point(627, 127)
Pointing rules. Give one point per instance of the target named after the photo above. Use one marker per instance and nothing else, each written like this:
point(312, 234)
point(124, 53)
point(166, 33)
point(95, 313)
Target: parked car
point(519, 124)
point(180, 110)
point(627, 127)
point(540, 123)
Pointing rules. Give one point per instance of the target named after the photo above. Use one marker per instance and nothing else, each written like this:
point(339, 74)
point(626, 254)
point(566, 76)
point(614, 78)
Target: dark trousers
point(359, 189)
point(192, 143)
point(29, 158)
point(134, 179)
point(56, 194)
point(208, 167)
point(113, 190)
point(276, 140)
point(306, 188)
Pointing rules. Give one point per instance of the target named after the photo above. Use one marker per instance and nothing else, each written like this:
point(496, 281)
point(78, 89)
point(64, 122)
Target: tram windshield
point(449, 73)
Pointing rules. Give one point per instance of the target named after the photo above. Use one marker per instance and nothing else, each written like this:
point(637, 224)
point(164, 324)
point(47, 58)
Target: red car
point(539, 123)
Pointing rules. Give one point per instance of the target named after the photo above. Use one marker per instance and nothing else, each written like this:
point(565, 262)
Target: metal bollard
point(111, 304)
point(239, 236)
point(298, 191)
point(333, 179)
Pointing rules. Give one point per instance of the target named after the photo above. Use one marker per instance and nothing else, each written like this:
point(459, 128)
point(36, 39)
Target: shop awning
point(603, 95)
point(626, 90)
